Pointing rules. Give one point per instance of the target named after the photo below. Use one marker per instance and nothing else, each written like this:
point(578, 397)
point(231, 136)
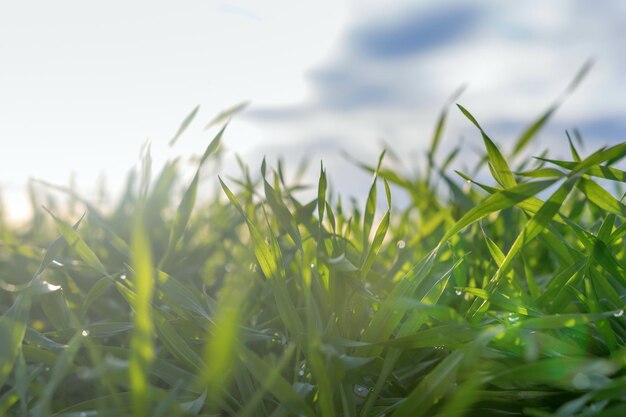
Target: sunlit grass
point(477, 299)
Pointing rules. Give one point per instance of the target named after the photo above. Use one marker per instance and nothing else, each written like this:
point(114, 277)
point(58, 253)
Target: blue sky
point(85, 84)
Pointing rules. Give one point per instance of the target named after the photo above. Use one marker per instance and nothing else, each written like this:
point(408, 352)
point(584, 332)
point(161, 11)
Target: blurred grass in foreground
point(492, 299)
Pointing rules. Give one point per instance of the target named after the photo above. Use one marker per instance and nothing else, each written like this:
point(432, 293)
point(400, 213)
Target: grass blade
point(184, 125)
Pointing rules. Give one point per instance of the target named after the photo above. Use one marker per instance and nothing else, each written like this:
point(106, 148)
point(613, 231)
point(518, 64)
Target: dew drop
point(458, 292)
point(361, 391)
point(618, 313)
point(123, 277)
point(401, 244)
point(301, 373)
point(312, 266)
point(85, 333)
point(57, 263)
point(50, 287)
point(513, 318)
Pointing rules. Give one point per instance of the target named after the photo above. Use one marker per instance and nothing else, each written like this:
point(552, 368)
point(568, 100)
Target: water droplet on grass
point(50, 287)
point(458, 292)
point(618, 313)
point(123, 277)
point(361, 391)
point(57, 263)
point(401, 244)
point(85, 333)
point(513, 318)
point(302, 369)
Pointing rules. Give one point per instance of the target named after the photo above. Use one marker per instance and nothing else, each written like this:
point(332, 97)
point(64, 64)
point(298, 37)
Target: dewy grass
point(493, 299)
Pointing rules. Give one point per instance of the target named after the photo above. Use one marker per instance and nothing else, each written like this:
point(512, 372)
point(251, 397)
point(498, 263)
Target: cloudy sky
point(84, 84)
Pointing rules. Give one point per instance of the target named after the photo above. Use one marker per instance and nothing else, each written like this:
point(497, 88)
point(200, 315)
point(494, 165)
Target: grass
point(496, 299)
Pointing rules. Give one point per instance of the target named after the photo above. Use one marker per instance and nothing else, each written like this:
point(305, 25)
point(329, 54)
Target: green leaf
point(561, 320)
point(599, 171)
point(220, 350)
point(572, 148)
point(142, 345)
point(445, 335)
point(227, 114)
point(283, 215)
point(431, 388)
point(78, 244)
point(54, 250)
point(269, 257)
point(12, 329)
point(213, 146)
point(62, 366)
point(184, 125)
point(601, 198)
point(274, 383)
point(370, 206)
point(533, 227)
point(321, 194)
point(97, 290)
point(497, 201)
point(501, 170)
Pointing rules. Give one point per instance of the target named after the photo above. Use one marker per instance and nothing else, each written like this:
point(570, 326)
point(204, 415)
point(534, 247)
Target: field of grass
point(497, 299)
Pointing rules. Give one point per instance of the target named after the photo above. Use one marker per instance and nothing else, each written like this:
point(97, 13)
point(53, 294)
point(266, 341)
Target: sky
point(83, 85)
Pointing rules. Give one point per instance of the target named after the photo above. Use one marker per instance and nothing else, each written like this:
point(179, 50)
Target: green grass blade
point(142, 345)
point(498, 201)
point(227, 114)
point(501, 170)
point(81, 248)
point(184, 125)
point(12, 329)
point(533, 227)
point(601, 198)
point(274, 383)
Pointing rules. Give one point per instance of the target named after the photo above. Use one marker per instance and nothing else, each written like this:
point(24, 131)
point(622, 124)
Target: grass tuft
point(493, 298)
